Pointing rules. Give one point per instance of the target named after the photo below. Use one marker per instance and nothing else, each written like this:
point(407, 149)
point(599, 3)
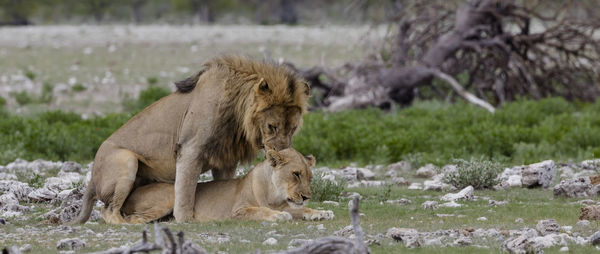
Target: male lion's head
point(291, 175)
point(280, 100)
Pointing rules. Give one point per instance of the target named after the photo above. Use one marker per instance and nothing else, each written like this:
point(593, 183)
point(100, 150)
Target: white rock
point(70, 244)
point(451, 204)
point(564, 249)
point(546, 227)
point(463, 240)
point(19, 189)
point(426, 171)
point(415, 186)
point(42, 194)
point(430, 205)
point(539, 174)
point(401, 201)
point(576, 187)
point(519, 220)
point(591, 164)
point(432, 185)
point(583, 223)
point(482, 219)
point(400, 166)
point(400, 181)
point(270, 241)
point(7, 176)
point(328, 202)
point(465, 194)
point(514, 181)
point(409, 236)
point(364, 174)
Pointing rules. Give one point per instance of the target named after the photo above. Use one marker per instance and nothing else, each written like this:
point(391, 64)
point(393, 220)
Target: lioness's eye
point(272, 128)
point(297, 174)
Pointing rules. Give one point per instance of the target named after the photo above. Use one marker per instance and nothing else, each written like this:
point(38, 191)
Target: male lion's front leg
point(188, 169)
point(261, 213)
point(310, 214)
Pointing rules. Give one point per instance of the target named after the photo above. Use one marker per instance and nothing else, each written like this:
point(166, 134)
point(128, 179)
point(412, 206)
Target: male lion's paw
point(281, 216)
point(318, 215)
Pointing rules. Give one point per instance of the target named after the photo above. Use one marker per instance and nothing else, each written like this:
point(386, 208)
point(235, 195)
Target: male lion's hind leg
point(262, 213)
point(124, 164)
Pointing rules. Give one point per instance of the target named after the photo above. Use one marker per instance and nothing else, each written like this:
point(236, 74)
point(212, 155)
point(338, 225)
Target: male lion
point(275, 189)
point(221, 116)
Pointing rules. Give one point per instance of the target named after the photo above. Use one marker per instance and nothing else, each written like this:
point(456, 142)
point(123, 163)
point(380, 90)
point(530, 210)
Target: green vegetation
point(78, 88)
point(22, 97)
point(479, 173)
point(47, 93)
point(428, 132)
point(2, 102)
point(323, 189)
point(147, 97)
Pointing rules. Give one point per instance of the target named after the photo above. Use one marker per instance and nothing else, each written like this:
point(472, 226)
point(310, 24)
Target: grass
point(428, 132)
point(529, 204)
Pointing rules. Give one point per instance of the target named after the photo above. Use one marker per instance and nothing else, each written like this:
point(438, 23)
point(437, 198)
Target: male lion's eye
point(297, 174)
point(272, 128)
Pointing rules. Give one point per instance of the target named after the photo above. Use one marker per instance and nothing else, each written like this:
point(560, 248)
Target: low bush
point(323, 189)
point(146, 97)
point(479, 173)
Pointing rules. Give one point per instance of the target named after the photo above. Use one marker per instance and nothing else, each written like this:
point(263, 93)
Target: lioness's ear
point(311, 160)
point(262, 87)
point(306, 88)
point(274, 158)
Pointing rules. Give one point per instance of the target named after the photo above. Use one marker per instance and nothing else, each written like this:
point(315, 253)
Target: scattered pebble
point(270, 241)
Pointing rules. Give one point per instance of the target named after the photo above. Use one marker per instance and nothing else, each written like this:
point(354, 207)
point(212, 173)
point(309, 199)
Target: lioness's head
point(291, 175)
point(280, 102)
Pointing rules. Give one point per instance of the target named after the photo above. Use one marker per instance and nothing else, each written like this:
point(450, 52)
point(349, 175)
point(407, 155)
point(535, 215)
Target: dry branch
point(502, 50)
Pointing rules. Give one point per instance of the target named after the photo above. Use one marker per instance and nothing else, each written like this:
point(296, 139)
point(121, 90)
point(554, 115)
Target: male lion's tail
point(86, 205)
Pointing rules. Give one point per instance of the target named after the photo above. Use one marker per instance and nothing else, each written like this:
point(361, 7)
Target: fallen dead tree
point(487, 51)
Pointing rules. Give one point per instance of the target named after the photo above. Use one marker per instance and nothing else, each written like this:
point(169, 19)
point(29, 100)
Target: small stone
point(401, 201)
point(70, 166)
point(583, 223)
point(465, 194)
point(430, 205)
point(482, 219)
point(450, 204)
point(426, 171)
point(25, 248)
point(270, 241)
point(400, 181)
point(546, 227)
point(409, 236)
point(432, 185)
point(564, 249)
point(70, 244)
point(576, 187)
point(400, 166)
point(415, 186)
point(320, 227)
point(595, 238)
point(333, 203)
point(463, 240)
point(364, 174)
point(591, 212)
point(497, 203)
point(519, 220)
point(298, 242)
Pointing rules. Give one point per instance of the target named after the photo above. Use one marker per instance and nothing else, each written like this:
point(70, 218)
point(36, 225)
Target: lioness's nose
point(304, 197)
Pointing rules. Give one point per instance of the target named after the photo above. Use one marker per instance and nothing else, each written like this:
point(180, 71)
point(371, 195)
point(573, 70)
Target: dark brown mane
point(188, 84)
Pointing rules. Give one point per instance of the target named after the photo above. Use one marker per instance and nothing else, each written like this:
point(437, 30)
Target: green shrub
point(78, 88)
point(147, 97)
point(2, 102)
point(323, 189)
point(47, 93)
point(22, 98)
point(30, 75)
point(152, 80)
point(479, 173)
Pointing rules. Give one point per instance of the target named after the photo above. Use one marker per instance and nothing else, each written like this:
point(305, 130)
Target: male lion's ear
point(311, 160)
point(306, 88)
point(274, 158)
point(262, 87)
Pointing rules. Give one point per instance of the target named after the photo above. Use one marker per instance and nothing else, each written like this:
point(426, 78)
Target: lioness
point(275, 189)
point(215, 119)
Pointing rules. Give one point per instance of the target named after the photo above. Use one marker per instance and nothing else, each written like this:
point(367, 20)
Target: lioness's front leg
point(262, 213)
point(310, 214)
point(188, 169)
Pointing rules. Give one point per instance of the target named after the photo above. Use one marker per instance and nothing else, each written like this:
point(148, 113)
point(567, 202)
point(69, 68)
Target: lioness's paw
point(281, 216)
point(318, 215)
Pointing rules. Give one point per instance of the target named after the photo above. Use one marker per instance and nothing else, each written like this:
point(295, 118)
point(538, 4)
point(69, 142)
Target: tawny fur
point(219, 117)
point(275, 189)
